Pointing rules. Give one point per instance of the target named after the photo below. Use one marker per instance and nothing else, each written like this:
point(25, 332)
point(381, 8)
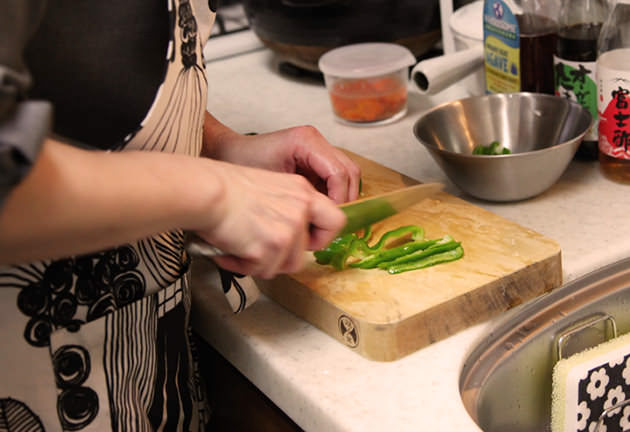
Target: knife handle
point(197, 246)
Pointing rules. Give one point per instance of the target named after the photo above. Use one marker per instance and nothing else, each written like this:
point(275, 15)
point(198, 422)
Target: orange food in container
point(367, 82)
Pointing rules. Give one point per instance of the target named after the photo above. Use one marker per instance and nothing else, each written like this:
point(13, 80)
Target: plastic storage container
point(367, 82)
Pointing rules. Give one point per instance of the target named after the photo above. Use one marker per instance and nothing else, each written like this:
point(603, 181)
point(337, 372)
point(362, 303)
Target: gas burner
point(230, 19)
point(230, 35)
point(293, 71)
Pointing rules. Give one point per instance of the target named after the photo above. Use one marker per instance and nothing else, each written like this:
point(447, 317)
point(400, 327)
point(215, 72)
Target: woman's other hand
point(300, 150)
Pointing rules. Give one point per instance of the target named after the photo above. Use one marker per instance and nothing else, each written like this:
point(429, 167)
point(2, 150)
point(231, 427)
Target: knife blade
point(366, 211)
point(359, 213)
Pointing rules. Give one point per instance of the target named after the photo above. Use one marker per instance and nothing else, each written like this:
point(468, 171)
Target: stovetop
point(230, 19)
point(230, 34)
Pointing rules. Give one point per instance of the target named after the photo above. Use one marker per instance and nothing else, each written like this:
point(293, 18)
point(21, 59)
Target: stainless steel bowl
point(542, 132)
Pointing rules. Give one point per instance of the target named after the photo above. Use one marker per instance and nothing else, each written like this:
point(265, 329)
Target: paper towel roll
point(435, 74)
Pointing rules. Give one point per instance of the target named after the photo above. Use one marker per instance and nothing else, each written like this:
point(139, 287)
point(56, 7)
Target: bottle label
point(501, 48)
point(613, 104)
point(576, 81)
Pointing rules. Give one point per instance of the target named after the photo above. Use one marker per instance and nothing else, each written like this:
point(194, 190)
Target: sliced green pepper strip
point(338, 246)
point(372, 261)
point(417, 233)
point(435, 249)
point(342, 248)
point(358, 248)
point(408, 256)
point(490, 149)
point(339, 260)
point(439, 258)
point(374, 257)
point(367, 233)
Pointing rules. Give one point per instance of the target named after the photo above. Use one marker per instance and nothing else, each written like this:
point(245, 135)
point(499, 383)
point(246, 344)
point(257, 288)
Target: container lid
point(468, 21)
point(365, 60)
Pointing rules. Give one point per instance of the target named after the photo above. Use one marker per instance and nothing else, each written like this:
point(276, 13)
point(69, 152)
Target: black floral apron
point(103, 341)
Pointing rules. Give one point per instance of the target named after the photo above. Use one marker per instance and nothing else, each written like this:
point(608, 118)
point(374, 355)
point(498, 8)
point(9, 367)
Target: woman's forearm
point(76, 201)
point(218, 139)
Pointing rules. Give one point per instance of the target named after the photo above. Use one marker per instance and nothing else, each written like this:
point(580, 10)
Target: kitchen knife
point(366, 211)
point(359, 214)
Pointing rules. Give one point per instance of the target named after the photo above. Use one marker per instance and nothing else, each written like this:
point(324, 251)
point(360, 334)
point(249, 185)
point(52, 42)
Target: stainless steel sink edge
point(515, 360)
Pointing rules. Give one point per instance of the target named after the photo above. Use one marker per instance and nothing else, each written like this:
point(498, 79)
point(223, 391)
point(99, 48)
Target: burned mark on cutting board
point(349, 332)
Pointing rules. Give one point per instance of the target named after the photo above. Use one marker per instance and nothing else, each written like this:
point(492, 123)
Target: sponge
point(588, 383)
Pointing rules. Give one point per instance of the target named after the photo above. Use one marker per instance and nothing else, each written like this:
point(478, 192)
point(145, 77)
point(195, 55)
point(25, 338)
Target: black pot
point(300, 31)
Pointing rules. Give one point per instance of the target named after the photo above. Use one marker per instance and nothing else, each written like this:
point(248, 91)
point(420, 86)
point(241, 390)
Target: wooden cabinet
point(237, 405)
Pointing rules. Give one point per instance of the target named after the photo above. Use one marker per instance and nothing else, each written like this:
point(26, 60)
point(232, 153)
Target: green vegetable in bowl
point(491, 149)
point(399, 250)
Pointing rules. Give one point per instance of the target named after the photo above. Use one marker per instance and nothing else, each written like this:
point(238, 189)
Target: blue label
point(501, 48)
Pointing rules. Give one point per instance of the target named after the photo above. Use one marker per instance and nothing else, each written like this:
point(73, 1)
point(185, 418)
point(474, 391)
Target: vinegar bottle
point(613, 88)
point(579, 25)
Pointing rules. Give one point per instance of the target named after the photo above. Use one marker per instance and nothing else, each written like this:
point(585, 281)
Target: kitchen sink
point(505, 383)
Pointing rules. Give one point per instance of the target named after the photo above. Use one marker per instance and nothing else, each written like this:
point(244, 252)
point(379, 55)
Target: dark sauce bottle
point(580, 23)
point(538, 39)
point(578, 43)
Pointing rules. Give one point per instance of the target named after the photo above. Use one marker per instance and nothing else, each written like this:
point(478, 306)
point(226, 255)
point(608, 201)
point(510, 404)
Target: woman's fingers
point(326, 222)
point(314, 155)
point(269, 221)
point(302, 150)
point(294, 260)
point(354, 175)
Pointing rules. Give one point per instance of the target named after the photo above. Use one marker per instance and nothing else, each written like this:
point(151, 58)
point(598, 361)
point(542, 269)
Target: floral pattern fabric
point(603, 388)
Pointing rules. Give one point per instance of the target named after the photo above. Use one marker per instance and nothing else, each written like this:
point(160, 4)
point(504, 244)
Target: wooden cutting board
point(384, 317)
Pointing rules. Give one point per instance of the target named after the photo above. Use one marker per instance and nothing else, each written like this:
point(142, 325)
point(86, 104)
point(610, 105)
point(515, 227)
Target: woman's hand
point(300, 150)
point(275, 205)
point(266, 220)
point(94, 200)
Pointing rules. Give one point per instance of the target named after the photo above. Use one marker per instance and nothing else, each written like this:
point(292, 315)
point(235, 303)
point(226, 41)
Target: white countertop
point(321, 384)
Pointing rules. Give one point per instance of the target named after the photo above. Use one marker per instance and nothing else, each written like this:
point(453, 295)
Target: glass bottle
point(519, 43)
point(613, 87)
point(579, 26)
